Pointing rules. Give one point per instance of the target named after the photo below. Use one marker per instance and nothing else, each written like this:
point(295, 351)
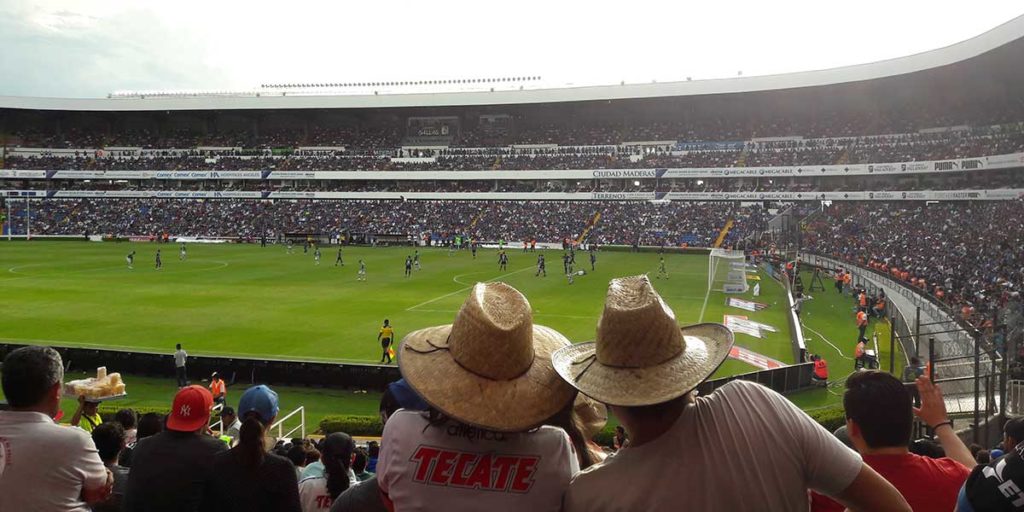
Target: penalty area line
point(460, 290)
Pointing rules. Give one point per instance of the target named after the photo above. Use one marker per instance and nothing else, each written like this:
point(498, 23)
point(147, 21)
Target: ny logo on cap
point(186, 410)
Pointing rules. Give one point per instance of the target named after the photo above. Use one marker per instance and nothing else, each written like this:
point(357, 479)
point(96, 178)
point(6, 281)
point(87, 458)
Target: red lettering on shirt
point(499, 473)
point(424, 457)
point(481, 476)
point(525, 468)
point(459, 473)
point(323, 502)
point(504, 465)
point(441, 474)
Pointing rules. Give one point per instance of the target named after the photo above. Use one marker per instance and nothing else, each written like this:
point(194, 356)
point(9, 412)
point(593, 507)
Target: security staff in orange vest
point(862, 322)
point(218, 389)
point(820, 370)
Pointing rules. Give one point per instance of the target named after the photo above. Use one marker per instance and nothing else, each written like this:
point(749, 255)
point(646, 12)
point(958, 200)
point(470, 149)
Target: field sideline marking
point(823, 338)
point(149, 350)
point(435, 299)
point(21, 275)
point(705, 307)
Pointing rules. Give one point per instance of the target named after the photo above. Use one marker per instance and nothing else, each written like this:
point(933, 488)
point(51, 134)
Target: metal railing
point(219, 424)
point(301, 427)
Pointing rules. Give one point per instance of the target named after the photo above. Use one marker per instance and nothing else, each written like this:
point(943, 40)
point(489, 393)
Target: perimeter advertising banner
point(1007, 161)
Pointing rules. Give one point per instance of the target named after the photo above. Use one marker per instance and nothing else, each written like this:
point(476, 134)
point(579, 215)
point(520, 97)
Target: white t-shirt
point(744, 447)
point(422, 466)
point(313, 493)
point(44, 466)
point(179, 358)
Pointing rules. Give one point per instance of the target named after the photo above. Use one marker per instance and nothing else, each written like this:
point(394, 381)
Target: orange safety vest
point(821, 369)
point(862, 318)
point(859, 351)
point(217, 387)
point(863, 300)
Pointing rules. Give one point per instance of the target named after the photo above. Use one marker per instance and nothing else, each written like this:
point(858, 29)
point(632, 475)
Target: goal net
point(727, 271)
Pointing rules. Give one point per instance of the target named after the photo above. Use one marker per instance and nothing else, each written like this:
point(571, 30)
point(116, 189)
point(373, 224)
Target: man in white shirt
point(44, 466)
point(180, 357)
point(744, 447)
point(230, 422)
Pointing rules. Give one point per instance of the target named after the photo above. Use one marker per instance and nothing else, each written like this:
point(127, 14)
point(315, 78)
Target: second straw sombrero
point(491, 368)
point(641, 356)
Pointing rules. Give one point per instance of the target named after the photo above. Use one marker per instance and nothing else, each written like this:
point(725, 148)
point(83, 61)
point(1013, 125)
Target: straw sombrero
point(641, 356)
point(491, 368)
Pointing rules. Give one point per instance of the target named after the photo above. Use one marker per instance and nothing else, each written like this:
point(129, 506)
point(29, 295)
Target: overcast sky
point(87, 48)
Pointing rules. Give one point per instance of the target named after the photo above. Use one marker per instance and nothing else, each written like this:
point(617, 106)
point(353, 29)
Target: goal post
point(727, 271)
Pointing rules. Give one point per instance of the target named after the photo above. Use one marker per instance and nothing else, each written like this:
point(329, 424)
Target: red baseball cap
point(191, 409)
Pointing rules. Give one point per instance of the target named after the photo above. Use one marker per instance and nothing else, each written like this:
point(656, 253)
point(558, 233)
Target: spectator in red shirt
point(879, 420)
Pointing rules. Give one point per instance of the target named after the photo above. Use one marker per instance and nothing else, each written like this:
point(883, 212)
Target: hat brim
point(707, 347)
point(514, 405)
point(190, 425)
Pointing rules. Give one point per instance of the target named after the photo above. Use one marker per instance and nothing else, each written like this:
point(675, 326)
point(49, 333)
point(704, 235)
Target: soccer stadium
point(495, 292)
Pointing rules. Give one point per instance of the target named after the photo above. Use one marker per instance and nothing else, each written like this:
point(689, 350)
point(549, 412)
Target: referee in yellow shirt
point(386, 336)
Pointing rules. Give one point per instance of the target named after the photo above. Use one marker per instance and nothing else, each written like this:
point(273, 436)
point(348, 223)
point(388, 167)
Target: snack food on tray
point(103, 385)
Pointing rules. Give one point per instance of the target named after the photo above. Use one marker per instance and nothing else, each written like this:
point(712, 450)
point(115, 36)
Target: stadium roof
point(1008, 34)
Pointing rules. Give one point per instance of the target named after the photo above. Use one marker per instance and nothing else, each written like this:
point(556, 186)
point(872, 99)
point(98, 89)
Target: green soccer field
point(244, 300)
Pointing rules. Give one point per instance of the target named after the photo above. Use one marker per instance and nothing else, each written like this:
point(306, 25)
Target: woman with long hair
point(317, 493)
point(248, 477)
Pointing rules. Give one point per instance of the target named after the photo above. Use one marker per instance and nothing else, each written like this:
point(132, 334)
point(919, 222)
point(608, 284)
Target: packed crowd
point(646, 223)
point(374, 156)
point(966, 254)
point(989, 180)
point(496, 413)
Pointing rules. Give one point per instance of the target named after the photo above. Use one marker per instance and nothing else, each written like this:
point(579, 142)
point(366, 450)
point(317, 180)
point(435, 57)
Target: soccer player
point(565, 263)
point(339, 261)
point(385, 336)
point(130, 258)
point(408, 266)
point(661, 267)
point(362, 271)
point(502, 261)
point(568, 269)
point(540, 266)
point(593, 259)
point(472, 247)
point(305, 247)
point(159, 263)
point(451, 248)
point(416, 260)
point(316, 255)
point(526, 246)
point(290, 246)
point(182, 253)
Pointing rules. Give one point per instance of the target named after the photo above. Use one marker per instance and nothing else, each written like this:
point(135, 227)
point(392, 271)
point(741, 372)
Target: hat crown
point(637, 329)
point(492, 336)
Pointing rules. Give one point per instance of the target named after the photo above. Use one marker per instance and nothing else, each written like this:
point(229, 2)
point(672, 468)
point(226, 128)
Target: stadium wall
point(265, 371)
point(375, 377)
